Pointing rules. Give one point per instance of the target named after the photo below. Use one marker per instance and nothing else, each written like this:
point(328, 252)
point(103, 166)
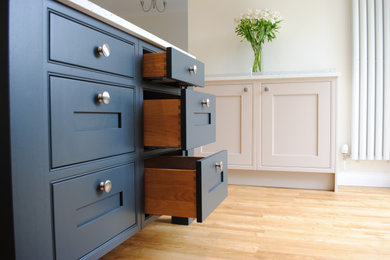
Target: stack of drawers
point(181, 186)
point(92, 122)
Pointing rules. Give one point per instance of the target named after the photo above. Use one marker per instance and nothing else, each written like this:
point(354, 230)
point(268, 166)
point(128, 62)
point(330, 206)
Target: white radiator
point(370, 137)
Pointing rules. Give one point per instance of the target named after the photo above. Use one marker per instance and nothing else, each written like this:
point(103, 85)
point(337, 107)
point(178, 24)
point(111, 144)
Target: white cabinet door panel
point(234, 124)
point(296, 125)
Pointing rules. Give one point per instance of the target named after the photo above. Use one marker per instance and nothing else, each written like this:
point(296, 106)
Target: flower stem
point(260, 50)
point(257, 61)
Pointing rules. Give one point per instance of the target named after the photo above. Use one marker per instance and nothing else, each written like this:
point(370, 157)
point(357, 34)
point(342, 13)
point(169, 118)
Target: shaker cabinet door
point(296, 125)
point(234, 123)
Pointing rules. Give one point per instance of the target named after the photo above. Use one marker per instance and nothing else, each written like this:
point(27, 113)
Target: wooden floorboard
point(275, 223)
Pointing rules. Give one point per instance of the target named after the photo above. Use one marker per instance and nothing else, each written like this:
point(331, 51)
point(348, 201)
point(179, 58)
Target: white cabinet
point(234, 123)
point(296, 126)
point(271, 123)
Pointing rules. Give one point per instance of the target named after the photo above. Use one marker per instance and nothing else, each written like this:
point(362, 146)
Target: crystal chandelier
point(153, 5)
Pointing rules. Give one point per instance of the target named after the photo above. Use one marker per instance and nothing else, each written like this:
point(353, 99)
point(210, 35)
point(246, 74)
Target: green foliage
point(256, 27)
point(257, 31)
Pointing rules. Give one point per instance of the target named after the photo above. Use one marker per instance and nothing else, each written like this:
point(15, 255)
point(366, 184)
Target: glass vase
point(257, 62)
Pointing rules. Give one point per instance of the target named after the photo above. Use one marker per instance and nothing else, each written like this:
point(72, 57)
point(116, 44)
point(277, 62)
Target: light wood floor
point(274, 223)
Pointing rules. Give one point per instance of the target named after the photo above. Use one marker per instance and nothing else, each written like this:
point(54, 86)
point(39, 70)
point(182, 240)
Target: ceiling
point(132, 8)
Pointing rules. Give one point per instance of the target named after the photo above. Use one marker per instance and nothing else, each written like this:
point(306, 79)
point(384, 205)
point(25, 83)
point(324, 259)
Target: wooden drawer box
point(84, 128)
point(189, 187)
point(75, 43)
point(173, 66)
point(85, 216)
point(187, 122)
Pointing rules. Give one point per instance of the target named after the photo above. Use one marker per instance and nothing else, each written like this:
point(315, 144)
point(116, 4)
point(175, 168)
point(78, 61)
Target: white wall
point(171, 25)
point(314, 35)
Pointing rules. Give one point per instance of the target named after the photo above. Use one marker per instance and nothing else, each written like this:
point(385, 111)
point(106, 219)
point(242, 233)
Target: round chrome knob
point(193, 69)
point(266, 89)
point(105, 186)
point(104, 50)
point(206, 102)
point(104, 97)
point(219, 165)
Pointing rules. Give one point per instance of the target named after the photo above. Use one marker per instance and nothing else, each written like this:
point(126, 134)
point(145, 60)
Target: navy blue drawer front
point(211, 183)
point(82, 128)
point(173, 67)
point(85, 217)
point(74, 43)
point(199, 119)
point(194, 127)
point(184, 68)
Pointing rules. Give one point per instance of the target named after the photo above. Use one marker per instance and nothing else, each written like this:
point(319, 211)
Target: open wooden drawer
point(186, 122)
point(188, 187)
point(173, 66)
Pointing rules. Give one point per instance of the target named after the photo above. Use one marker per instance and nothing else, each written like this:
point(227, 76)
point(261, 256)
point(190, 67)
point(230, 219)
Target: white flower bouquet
point(256, 27)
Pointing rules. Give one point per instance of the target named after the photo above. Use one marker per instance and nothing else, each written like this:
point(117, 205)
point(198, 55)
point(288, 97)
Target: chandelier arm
point(163, 8)
point(147, 9)
point(153, 5)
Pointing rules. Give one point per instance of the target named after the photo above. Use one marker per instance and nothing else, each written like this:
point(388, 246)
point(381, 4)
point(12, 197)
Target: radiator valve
point(345, 151)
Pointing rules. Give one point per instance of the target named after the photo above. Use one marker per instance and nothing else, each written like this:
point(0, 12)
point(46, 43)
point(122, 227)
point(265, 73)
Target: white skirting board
point(302, 180)
point(373, 179)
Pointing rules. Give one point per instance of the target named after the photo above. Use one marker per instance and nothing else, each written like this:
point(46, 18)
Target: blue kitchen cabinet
point(74, 152)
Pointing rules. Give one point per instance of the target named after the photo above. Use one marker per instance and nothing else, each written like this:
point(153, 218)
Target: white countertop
point(106, 16)
point(274, 75)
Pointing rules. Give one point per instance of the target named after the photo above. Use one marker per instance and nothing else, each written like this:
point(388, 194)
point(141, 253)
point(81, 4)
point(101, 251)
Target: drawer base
point(181, 221)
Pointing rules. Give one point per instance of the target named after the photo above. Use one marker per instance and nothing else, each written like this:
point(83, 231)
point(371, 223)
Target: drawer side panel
point(162, 123)
point(170, 192)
